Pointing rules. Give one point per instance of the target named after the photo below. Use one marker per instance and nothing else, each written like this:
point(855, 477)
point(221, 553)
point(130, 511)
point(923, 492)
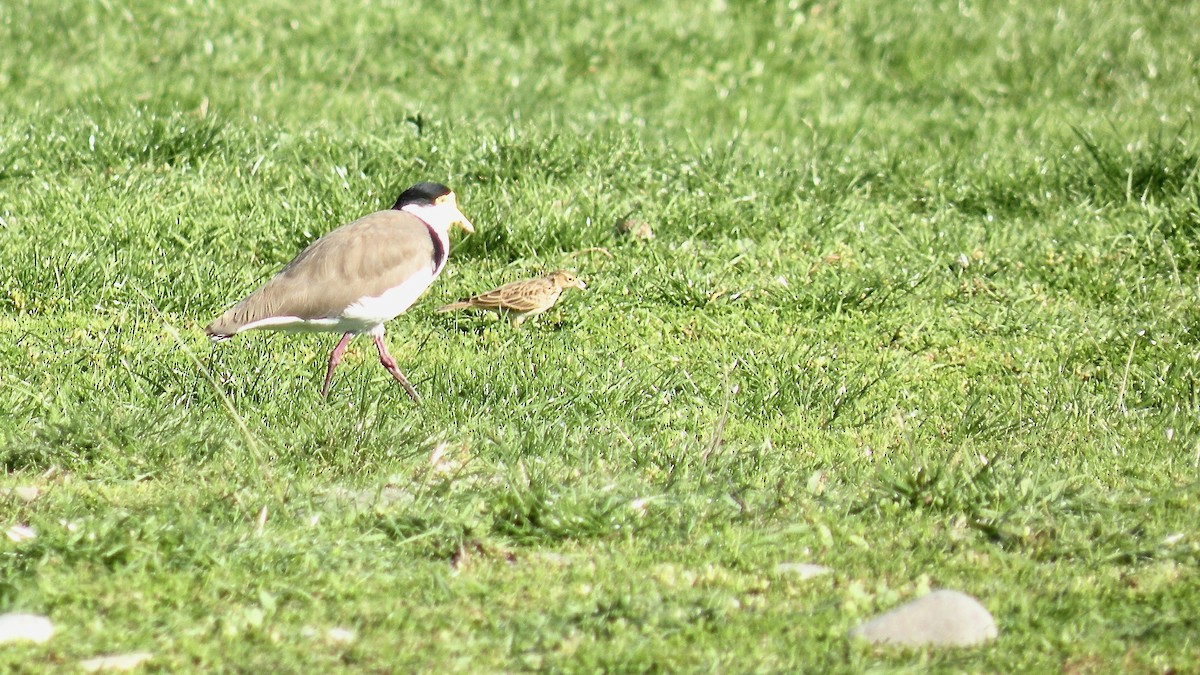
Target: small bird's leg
point(388, 362)
point(334, 359)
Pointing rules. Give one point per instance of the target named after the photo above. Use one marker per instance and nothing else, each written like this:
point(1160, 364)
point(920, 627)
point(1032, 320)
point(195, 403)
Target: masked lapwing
point(521, 299)
point(357, 277)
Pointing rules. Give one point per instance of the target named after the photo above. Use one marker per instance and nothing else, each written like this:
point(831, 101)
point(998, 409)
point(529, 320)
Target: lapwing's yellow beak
point(448, 204)
point(451, 203)
point(463, 222)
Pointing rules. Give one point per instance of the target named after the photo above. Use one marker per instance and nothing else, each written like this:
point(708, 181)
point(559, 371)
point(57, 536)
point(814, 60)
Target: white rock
point(336, 635)
point(638, 505)
point(553, 558)
point(802, 570)
point(942, 619)
point(115, 662)
point(21, 533)
point(25, 493)
point(340, 635)
point(368, 499)
point(27, 627)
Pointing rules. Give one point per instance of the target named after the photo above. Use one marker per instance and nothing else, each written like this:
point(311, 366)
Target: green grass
point(921, 307)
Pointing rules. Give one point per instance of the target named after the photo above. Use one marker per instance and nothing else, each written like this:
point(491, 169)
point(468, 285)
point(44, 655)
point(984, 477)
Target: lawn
point(921, 306)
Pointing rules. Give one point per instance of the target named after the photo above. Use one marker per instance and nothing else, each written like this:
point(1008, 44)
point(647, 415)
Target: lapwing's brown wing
point(362, 259)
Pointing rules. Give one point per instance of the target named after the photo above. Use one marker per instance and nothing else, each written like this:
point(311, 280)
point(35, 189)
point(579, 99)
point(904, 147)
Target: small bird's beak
point(580, 285)
point(464, 223)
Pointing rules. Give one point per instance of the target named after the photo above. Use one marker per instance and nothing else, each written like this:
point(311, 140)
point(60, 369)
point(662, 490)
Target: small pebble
point(25, 627)
point(335, 635)
point(368, 499)
point(802, 570)
point(115, 662)
point(637, 229)
point(25, 493)
point(941, 619)
point(21, 533)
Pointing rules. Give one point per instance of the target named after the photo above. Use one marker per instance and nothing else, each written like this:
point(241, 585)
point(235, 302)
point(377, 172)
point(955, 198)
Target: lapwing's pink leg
point(334, 359)
point(388, 362)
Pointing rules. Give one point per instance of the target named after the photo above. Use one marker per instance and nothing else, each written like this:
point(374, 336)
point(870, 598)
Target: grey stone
point(941, 619)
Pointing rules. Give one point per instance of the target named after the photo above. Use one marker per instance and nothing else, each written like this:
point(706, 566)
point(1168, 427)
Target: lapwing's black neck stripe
point(439, 249)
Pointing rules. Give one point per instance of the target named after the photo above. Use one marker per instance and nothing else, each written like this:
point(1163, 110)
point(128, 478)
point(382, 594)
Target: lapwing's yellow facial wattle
point(456, 217)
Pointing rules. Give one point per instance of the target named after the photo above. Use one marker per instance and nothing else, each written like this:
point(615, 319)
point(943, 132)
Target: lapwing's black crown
point(423, 194)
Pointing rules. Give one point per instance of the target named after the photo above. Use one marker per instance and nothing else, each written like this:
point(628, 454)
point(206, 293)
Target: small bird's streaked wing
point(511, 296)
point(519, 296)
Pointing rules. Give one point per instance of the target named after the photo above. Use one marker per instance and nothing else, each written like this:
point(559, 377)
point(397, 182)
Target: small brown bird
point(521, 299)
point(357, 277)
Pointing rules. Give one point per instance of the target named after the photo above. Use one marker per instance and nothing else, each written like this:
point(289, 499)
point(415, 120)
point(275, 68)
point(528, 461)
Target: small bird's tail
point(462, 304)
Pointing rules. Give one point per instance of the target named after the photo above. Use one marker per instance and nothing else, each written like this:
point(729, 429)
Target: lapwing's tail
point(222, 328)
